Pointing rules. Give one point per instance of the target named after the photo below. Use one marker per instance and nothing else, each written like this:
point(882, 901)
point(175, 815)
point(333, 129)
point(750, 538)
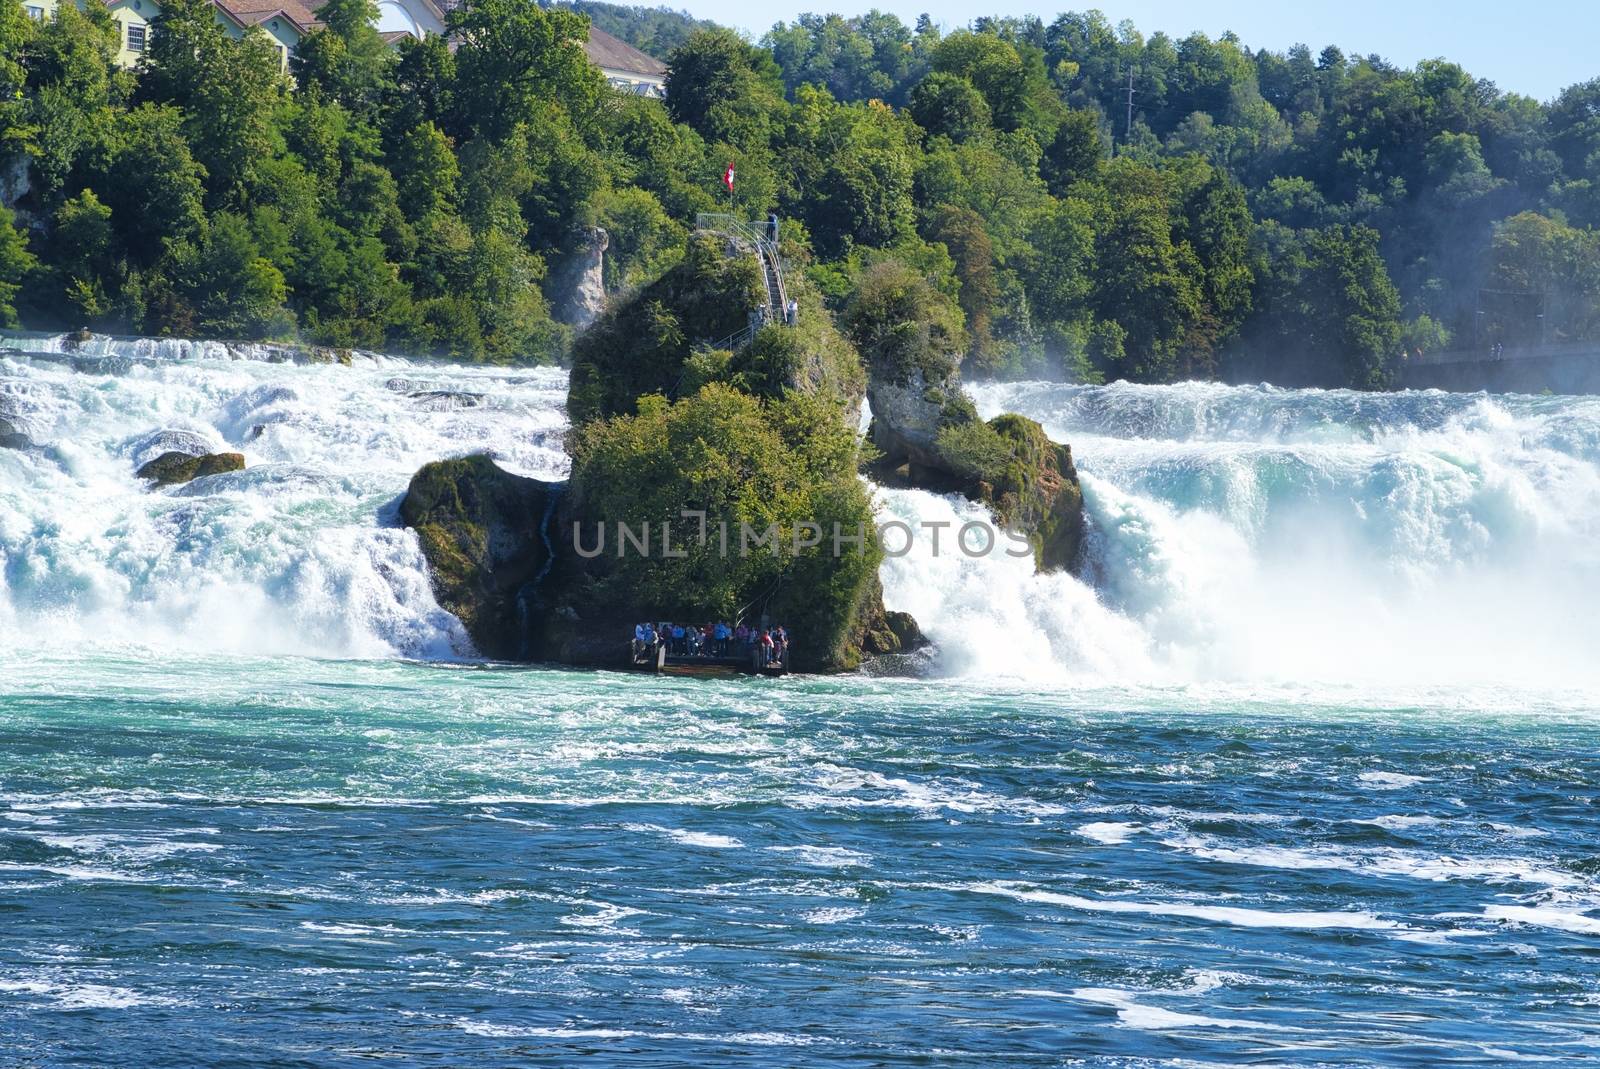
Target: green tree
point(947, 105)
point(723, 88)
point(17, 263)
point(1330, 314)
point(345, 59)
point(1144, 283)
point(512, 54)
point(426, 172)
point(236, 292)
point(152, 184)
point(903, 326)
point(1076, 151)
point(961, 231)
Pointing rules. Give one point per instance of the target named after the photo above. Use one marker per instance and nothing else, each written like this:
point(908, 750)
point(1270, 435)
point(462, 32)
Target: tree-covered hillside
point(1296, 216)
point(656, 30)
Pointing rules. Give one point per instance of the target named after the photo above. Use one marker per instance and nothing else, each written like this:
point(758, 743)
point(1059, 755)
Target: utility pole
point(1127, 135)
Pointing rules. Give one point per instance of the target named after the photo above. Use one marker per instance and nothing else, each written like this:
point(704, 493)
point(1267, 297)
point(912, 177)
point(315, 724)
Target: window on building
point(135, 38)
point(35, 13)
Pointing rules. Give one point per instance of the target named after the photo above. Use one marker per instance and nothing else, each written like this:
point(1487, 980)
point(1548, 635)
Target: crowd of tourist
point(770, 644)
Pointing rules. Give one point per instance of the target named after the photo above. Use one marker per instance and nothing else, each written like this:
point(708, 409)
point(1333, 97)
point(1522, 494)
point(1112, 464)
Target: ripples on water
point(1158, 843)
point(303, 863)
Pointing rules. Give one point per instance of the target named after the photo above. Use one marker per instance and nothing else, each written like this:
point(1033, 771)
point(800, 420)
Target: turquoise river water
point(1304, 771)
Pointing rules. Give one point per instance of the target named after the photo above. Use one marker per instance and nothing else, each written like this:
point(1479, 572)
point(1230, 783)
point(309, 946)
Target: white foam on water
point(1132, 1013)
point(991, 615)
point(1238, 536)
point(1265, 535)
point(825, 857)
point(1237, 916)
point(1388, 781)
point(1376, 862)
point(66, 995)
point(756, 1039)
point(705, 840)
point(1567, 920)
point(1399, 822)
point(1110, 833)
point(297, 554)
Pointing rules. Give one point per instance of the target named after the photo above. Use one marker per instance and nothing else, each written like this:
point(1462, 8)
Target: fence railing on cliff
point(763, 238)
point(1489, 353)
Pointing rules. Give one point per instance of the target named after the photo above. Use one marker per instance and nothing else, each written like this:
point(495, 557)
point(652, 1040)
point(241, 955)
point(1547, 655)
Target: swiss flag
point(727, 178)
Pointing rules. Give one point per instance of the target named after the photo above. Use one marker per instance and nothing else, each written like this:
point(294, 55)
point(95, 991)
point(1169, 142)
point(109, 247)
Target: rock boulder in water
point(446, 400)
point(11, 438)
point(885, 631)
point(170, 440)
point(482, 532)
point(170, 469)
point(927, 430)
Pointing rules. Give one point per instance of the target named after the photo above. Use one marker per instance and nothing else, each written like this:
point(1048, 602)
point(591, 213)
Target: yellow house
point(133, 23)
point(284, 21)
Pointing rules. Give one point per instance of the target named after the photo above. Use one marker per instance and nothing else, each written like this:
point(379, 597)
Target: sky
point(1532, 48)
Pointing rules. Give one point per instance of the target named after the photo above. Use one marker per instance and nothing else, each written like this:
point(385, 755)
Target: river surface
point(1304, 772)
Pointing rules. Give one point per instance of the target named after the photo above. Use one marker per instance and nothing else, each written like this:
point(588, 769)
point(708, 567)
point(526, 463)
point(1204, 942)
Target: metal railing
point(761, 238)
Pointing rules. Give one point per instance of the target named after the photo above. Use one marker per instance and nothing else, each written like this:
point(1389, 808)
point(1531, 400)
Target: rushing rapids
point(1235, 533)
point(298, 553)
point(1300, 773)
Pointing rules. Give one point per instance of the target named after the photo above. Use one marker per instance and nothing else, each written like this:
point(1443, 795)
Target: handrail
point(771, 267)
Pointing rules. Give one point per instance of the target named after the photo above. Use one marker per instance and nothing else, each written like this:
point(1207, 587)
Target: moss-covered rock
point(172, 468)
point(1036, 490)
point(885, 631)
point(485, 534)
point(746, 464)
point(926, 429)
point(639, 345)
point(664, 339)
point(757, 435)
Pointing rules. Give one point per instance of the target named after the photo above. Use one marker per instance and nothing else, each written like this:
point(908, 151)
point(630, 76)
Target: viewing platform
point(1557, 367)
point(655, 658)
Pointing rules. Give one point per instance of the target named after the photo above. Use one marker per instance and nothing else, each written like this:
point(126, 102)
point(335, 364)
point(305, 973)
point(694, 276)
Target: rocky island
point(721, 479)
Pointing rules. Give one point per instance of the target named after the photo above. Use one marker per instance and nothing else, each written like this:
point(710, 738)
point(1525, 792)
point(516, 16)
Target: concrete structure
point(286, 22)
point(1558, 368)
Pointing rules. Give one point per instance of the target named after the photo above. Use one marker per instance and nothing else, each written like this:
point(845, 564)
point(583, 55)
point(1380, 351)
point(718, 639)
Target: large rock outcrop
point(580, 280)
point(485, 533)
point(664, 427)
point(926, 429)
point(173, 468)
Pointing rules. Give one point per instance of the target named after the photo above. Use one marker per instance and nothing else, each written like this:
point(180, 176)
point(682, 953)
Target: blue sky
point(1531, 48)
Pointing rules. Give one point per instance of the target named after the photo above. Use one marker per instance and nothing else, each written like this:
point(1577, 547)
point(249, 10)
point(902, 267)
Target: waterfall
point(297, 554)
point(1253, 533)
point(1235, 533)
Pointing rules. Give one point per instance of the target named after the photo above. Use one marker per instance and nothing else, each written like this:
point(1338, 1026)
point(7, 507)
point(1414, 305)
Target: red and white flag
point(727, 178)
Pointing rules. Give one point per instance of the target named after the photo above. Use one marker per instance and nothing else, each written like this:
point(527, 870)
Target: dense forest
point(1294, 216)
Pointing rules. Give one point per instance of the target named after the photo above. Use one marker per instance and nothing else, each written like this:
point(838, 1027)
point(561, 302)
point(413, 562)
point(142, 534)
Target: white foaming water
point(1238, 535)
point(299, 553)
point(1258, 534)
